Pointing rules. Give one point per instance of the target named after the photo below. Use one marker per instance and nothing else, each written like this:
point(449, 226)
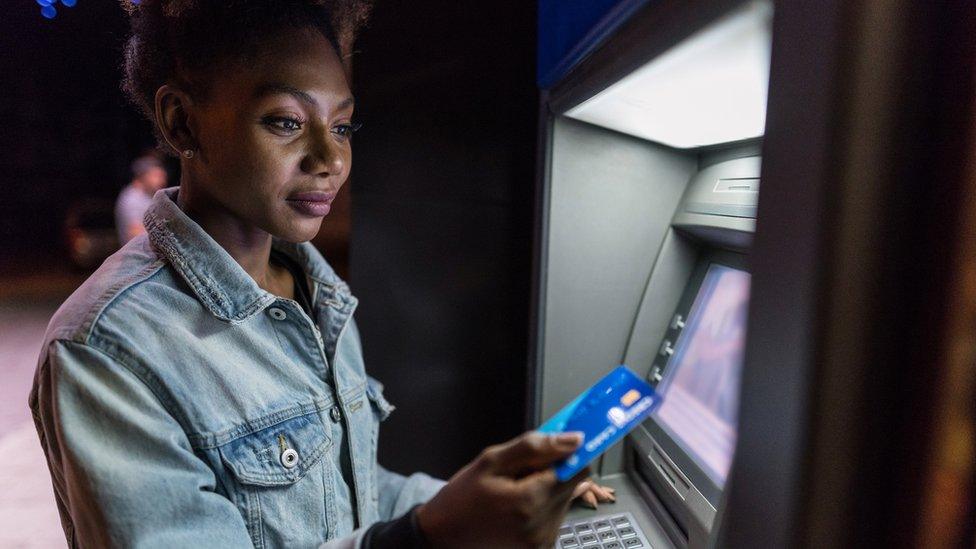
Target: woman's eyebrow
point(276, 87)
point(272, 88)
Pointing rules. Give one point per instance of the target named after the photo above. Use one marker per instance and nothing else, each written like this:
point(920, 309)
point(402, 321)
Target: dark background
point(442, 190)
point(66, 131)
point(442, 222)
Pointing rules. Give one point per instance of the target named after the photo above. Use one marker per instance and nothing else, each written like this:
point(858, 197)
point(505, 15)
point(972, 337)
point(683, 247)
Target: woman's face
point(273, 137)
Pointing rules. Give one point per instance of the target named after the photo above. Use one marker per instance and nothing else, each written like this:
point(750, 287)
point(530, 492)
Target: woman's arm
point(123, 470)
point(397, 493)
point(507, 497)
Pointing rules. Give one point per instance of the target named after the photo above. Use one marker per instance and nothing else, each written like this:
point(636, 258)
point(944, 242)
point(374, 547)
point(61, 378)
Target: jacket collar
point(218, 281)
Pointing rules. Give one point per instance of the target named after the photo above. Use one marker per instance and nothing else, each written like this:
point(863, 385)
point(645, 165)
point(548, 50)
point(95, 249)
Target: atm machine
point(648, 195)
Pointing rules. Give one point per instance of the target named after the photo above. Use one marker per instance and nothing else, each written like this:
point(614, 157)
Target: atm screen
point(701, 382)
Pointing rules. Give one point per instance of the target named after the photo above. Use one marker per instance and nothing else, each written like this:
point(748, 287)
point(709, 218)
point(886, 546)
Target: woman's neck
point(248, 245)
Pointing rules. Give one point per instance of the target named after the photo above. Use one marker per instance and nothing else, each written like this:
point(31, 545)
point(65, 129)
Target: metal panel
point(766, 479)
point(611, 202)
point(727, 189)
point(870, 129)
point(674, 266)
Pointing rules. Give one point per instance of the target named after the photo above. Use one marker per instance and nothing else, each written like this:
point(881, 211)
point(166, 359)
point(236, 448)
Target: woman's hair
point(184, 41)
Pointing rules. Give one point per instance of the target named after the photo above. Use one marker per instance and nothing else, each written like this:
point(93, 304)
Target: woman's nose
point(324, 155)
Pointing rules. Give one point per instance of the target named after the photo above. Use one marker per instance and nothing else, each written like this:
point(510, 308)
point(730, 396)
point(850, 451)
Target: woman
point(205, 387)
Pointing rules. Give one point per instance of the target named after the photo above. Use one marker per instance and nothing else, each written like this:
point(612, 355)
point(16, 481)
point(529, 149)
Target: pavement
point(28, 513)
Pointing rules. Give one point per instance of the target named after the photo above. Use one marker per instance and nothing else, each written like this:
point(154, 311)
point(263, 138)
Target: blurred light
point(49, 12)
point(708, 89)
point(45, 3)
point(69, 3)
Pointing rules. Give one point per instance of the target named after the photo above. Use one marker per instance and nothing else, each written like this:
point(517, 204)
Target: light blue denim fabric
point(180, 405)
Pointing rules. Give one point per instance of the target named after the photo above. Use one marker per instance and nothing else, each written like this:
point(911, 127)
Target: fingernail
point(574, 438)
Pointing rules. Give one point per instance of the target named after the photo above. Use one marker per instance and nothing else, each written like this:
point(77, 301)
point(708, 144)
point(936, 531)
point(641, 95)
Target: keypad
point(603, 532)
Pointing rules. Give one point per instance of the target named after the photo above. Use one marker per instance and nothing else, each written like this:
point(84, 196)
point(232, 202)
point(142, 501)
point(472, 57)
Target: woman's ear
point(173, 107)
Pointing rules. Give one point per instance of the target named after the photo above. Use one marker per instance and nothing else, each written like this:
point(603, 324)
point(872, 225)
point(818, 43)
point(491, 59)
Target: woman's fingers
point(590, 494)
point(603, 493)
point(582, 488)
point(589, 499)
point(529, 452)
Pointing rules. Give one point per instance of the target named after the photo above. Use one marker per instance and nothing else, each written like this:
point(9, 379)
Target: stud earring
point(188, 153)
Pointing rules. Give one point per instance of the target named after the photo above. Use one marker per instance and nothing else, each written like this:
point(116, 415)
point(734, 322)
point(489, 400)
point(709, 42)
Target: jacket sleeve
point(397, 493)
point(123, 470)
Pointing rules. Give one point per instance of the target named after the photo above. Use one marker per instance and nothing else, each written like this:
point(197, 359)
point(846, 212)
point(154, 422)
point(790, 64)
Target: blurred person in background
point(148, 176)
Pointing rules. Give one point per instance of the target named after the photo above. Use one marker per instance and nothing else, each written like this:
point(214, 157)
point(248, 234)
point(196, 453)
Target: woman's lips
point(312, 203)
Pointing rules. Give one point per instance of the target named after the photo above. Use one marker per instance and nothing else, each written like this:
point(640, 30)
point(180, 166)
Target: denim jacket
point(180, 405)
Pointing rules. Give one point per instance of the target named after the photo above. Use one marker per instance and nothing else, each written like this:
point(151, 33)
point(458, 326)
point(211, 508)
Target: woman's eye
point(345, 131)
point(287, 125)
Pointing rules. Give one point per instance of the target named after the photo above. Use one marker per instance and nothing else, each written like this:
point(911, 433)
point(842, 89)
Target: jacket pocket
point(374, 391)
point(282, 473)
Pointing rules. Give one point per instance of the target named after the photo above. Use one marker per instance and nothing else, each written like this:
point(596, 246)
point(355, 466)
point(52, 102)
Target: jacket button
point(335, 414)
point(277, 313)
point(289, 458)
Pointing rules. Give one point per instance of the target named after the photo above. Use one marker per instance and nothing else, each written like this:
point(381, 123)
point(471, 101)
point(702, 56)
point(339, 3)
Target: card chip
point(630, 397)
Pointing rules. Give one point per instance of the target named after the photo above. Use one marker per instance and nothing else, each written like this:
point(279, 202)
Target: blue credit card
point(604, 413)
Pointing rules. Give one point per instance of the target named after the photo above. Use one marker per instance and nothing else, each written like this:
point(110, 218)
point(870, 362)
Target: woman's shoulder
point(121, 283)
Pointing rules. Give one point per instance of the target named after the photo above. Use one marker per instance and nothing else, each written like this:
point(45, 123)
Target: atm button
point(569, 543)
point(602, 525)
point(626, 532)
point(583, 528)
point(633, 542)
point(565, 532)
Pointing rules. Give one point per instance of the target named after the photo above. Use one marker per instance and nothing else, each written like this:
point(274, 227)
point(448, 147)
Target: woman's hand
point(589, 493)
point(507, 497)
